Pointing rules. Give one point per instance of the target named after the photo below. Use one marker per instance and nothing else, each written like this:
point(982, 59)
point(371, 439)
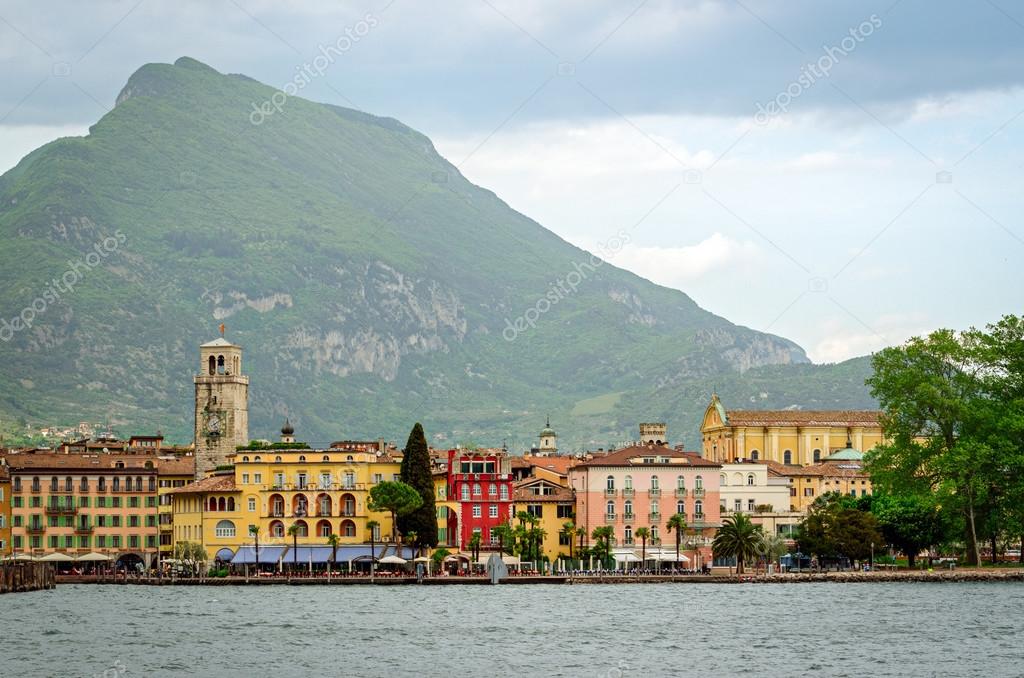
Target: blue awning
point(308, 554)
point(269, 555)
point(347, 553)
point(225, 555)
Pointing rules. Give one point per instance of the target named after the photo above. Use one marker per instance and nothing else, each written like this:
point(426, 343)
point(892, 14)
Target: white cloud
point(678, 266)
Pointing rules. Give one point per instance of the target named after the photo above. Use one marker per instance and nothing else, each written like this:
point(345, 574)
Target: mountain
point(369, 282)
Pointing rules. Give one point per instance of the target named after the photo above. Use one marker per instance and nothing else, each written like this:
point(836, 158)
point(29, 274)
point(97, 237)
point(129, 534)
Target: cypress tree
point(415, 471)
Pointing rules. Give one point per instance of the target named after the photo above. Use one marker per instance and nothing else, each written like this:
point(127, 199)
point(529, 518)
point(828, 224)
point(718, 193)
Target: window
point(698, 508)
point(302, 457)
point(610, 483)
point(278, 480)
point(750, 479)
point(627, 483)
point(610, 508)
point(627, 534)
point(654, 533)
point(492, 490)
point(378, 478)
point(350, 479)
point(493, 511)
point(754, 455)
point(465, 493)
point(722, 480)
point(324, 528)
point(245, 478)
point(245, 459)
point(787, 457)
point(565, 511)
point(627, 509)
point(737, 504)
point(535, 510)
point(698, 482)
point(817, 456)
point(476, 511)
point(277, 460)
point(654, 482)
point(325, 459)
point(252, 504)
point(301, 480)
point(750, 505)
point(504, 492)
point(681, 507)
point(680, 482)
point(476, 489)
point(257, 478)
point(808, 491)
point(225, 528)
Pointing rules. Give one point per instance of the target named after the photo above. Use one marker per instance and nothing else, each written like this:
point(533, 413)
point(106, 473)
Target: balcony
point(609, 517)
point(82, 528)
point(654, 492)
point(35, 528)
point(698, 492)
point(59, 510)
point(36, 489)
point(654, 517)
point(627, 492)
point(628, 516)
point(680, 491)
point(609, 491)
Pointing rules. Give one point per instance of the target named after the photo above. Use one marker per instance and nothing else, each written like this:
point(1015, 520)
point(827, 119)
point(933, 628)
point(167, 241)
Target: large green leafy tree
point(910, 522)
point(954, 417)
point(835, 526)
point(415, 472)
point(396, 498)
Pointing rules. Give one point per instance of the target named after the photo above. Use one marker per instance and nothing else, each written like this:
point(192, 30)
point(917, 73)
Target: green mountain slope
point(369, 282)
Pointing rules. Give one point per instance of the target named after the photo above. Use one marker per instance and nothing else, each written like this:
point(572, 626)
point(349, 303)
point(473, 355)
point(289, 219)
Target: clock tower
point(222, 405)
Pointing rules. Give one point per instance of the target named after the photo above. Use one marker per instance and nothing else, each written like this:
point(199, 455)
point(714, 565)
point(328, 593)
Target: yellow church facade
point(793, 437)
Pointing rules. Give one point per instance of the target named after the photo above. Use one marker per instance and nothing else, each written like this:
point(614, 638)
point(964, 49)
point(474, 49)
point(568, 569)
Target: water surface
point(692, 630)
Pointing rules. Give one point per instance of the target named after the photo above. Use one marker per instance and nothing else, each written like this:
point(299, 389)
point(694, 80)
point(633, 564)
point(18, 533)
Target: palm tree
point(677, 524)
point(569, 532)
point(474, 546)
point(255, 532)
point(738, 537)
point(643, 533)
point(504, 534)
point(372, 526)
point(293, 532)
point(333, 540)
point(773, 546)
point(603, 535)
point(411, 536)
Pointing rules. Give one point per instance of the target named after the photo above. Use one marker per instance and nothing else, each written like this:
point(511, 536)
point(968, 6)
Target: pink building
point(643, 486)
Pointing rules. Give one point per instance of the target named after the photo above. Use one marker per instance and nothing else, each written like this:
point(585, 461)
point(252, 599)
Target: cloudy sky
point(845, 174)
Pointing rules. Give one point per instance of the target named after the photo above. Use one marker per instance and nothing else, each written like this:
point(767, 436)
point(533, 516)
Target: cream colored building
point(749, 488)
point(796, 437)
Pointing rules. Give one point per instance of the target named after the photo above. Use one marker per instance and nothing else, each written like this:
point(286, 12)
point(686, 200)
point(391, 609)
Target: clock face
point(213, 424)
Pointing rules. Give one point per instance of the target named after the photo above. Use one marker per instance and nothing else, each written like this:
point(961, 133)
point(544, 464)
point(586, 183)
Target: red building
point(481, 482)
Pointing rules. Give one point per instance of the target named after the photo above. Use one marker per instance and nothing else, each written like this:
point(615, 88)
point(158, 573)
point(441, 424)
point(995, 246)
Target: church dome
point(287, 429)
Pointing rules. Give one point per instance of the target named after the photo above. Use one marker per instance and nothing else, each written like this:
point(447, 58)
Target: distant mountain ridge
point(369, 282)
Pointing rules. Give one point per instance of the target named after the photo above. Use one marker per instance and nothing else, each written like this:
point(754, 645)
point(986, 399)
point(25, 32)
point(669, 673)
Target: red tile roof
point(182, 466)
point(633, 456)
point(558, 464)
point(212, 484)
point(840, 418)
point(522, 492)
point(41, 461)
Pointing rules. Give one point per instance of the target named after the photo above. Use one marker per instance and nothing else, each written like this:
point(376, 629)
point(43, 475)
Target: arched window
point(277, 459)
point(325, 459)
point(654, 534)
point(610, 508)
point(787, 457)
point(222, 504)
point(348, 504)
point(225, 528)
point(257, 458)
point(750, 479)
point(476, 489)
point(231, 503)
point(152, 484)
point(213, 503)
point(277, 529)
point(465, 493)
point(722, 480)
point(754, 455)
point(116, 484)
point(69, 484)
point(302, 528)
point(698, 482)
point(492, 490)
point(302, 457)
point(681, 507)
point(138, 484)
point(627, 534)
point(504, 492)
point(698, 508)
point(680, 483)
point(245, 459)
point(323, 528)
point(654, 482)
point(348, 528)
point(220, 364)
point(300, 505)
point(276, 505)
point(213, 365)
point(610, 482)
point(349, 458)
point(817, 456)
point(323, 505)
point(628, 508)
point(627, 482)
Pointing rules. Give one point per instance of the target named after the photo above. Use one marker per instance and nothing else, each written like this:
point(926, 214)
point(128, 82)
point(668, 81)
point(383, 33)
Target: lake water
point(601, 631)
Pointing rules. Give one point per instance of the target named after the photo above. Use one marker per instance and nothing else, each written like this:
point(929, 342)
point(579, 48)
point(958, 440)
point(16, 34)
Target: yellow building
point(842, 472)
point(553, 505)
point(447, 511)
point(796, 437)
point(5, 512)
point(321, 492)
point(172, 474)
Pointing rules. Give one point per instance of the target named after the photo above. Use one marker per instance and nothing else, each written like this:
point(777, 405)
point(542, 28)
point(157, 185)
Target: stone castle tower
point(654, 433)
point(222, 405)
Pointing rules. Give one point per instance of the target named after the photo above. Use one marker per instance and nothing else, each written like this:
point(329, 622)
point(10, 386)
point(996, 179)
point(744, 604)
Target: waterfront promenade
point(961, 575)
